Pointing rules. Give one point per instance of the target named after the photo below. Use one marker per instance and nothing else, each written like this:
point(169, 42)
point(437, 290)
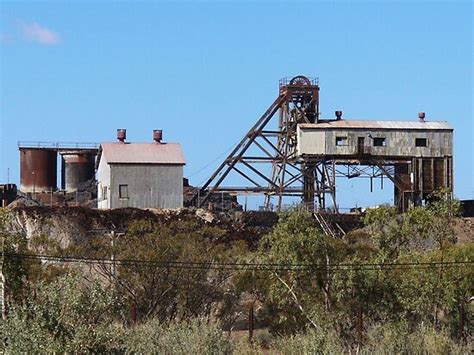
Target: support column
point(308, 186)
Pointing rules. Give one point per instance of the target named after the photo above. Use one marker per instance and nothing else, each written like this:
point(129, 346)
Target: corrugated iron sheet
point(143, 153)
point(361, 124)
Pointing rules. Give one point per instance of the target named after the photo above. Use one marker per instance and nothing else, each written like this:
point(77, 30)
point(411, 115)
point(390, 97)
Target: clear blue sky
point(205, 71)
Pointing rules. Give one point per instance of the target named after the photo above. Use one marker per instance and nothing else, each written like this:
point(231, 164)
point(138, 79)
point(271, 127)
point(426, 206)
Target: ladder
point(326, 227)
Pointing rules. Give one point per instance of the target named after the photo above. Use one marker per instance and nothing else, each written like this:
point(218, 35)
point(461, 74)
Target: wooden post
point(2, 281)
point(251, 321)
point(133, 313)
point(112, 234)
point(461, 321)
point(359, 326)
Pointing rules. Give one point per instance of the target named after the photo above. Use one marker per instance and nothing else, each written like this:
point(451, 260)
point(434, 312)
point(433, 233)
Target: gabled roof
point(142, 153)
point(365, 124)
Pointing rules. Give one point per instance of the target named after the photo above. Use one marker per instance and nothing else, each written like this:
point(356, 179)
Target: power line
point(213, 161)
point(241, 266)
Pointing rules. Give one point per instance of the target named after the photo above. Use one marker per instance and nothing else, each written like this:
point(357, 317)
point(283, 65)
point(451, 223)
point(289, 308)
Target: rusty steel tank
point(38, 169)
point(77, 168)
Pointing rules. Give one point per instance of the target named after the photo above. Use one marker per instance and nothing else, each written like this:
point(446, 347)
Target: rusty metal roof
point(366, 124)
point(142, 153)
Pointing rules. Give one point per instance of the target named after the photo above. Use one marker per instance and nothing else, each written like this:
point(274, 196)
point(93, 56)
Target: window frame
point(382, 140)
point(342, 139)
point(123, 196)
point(425, 140)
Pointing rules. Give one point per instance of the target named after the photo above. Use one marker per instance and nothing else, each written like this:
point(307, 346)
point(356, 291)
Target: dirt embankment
point(77, 224)
point(464, 230)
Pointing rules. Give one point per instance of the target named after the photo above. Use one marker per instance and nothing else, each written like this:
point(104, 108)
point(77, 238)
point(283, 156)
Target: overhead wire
point(213, 161)
point(241, 266)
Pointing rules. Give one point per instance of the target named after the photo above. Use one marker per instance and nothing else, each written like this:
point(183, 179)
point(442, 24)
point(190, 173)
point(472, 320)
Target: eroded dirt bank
point(78, 224)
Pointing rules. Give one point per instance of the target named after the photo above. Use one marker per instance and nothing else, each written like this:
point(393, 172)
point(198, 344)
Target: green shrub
point(398, 338)
point(314, 341)
point(194, 337)
point(63, 316)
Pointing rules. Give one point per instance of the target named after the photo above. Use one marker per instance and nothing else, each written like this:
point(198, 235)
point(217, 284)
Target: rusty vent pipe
point(157, 135)
point(121, 135)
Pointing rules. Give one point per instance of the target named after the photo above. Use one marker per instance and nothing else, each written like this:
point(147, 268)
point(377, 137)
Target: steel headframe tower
point(267, 158)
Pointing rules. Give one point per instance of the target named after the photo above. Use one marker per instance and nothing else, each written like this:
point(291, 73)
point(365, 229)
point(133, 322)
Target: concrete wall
point(398, 143)
point(103, 184)
point(149, 186)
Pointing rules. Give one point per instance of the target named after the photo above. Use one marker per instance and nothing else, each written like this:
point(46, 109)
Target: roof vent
point(121, 135)
point(421, 117)
point(157, 135)
point(338, 115)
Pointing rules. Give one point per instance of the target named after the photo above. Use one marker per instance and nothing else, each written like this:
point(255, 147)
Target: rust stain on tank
point(38, 169)
point(77, 168)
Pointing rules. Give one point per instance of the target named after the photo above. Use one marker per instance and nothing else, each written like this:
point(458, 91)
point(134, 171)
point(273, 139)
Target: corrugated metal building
point(421, 152)
point(381, 138)
point(141, 175)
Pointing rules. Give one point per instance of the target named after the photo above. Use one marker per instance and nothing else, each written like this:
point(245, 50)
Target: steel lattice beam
point(286, 175)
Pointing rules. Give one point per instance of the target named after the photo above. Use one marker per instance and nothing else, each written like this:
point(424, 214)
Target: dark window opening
point(360, 145)
point(123, 191)
point(379, 142)
point(421, 142)
point(341, 141)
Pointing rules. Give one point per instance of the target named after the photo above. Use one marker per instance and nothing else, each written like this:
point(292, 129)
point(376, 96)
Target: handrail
point(58, 145)
point(286, 81)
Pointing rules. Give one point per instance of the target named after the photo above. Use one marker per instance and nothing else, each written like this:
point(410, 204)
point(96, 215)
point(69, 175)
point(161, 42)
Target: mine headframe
point(266, 156)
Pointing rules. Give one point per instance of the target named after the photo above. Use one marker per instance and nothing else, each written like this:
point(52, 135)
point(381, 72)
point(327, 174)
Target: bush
point(194, 337)
point(398, 338)
point(62, 316)
point(314, 341)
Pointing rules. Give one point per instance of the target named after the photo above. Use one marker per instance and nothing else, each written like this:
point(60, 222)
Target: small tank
point(77, 168)
point(38, 169)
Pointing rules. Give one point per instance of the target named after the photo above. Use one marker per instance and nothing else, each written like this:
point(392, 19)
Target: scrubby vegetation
point(403, 284)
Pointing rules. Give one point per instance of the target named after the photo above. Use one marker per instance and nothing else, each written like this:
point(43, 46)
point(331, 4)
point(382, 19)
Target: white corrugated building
point(140, 175)
point(342, 138)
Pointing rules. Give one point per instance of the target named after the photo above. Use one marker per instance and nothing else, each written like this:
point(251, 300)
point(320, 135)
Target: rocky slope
point(77, 224)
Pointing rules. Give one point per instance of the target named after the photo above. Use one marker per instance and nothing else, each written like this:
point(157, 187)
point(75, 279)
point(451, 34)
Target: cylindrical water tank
point(77, 168)
point(38, 169)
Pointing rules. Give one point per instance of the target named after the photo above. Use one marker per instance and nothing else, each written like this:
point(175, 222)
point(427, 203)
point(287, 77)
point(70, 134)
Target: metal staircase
point(326, 226)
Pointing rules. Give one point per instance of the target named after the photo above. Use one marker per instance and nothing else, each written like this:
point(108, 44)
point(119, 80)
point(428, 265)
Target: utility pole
point(251, 320)
point(2, 280)
point(462, 321)
point(34, 184)
point(112, 235)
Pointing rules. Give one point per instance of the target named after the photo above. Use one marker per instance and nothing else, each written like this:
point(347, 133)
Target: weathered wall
point(77, 167)
point(149, 186)
point(103, 184)
point(38, 170)
point(399, 143)
point(314, 141)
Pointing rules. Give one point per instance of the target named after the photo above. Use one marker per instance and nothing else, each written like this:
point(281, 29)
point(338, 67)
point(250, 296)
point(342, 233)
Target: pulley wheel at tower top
point(300, 80)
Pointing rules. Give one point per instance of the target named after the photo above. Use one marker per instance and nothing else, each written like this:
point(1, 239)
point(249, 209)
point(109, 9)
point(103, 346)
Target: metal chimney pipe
point(121, 135)
point(421, 117)
point(157, 135)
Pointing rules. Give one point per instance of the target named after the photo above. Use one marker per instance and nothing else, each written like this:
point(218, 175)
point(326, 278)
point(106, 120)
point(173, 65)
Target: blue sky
point(205, 71)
